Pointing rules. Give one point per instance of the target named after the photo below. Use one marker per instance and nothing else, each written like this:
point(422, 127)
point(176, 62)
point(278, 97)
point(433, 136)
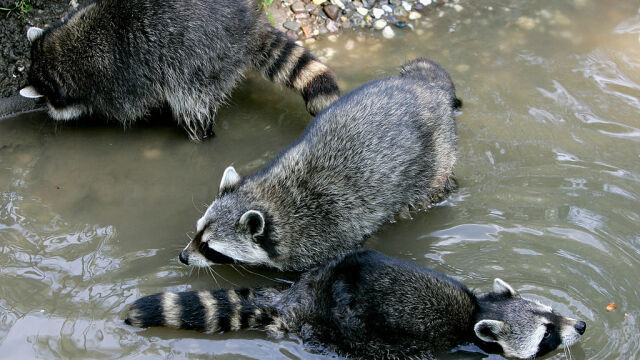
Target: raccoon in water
point(367, 305)
point(122, 58)
point(384, 146)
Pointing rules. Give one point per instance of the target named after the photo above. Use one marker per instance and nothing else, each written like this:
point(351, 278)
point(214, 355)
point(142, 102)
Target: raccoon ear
point(30, 92)
point(33, 33)
point(252, 221)
point(500, 287)
point(490, 330)
point(229, 178)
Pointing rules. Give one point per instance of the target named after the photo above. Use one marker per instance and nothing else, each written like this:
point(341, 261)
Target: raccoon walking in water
point(368, 305)
point(121, 58)
point(382, 147)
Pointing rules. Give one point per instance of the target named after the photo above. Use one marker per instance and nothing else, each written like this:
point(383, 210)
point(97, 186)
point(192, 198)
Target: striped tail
point(211, 311)
point(284, 62)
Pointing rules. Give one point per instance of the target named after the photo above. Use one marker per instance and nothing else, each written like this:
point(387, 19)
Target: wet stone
point(291, 35)
point(298, 7)
point(332, 11)
point(388, 32)
point(414, 15)
point(377, 13)
point(291, 25)
point(401, 24)
point(380, 24)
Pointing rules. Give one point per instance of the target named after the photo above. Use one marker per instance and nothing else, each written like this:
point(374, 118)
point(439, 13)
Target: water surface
point(93, 216)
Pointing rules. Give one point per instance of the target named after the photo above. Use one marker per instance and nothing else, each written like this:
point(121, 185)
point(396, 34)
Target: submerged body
point(120, 59)
point(385, 146)
point(368, 305)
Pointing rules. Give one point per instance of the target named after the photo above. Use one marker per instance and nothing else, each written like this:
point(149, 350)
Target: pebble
point(319, 2)
point(388, 32)
point(338, 3)
point(332, 38)
point(406, 6)
point(362, 11)
point(414, 15)
point(387, 8)
point(377, 13)
point(526, 23)
point(349, 45)
point(331, 26)
point(291, 25)
point(332, 11)
point(380, 24)
point(291, 35)
point(425, 2)
point(458, 7)
point(298, 7)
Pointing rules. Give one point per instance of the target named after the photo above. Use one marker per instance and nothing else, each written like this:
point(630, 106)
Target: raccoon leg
point(282, 61)
point(195, 111)
point(211, 311)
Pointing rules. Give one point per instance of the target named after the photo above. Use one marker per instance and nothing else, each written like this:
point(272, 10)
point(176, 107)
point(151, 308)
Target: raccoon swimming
point(368, 305)
point(122, 58)
point(384, 146)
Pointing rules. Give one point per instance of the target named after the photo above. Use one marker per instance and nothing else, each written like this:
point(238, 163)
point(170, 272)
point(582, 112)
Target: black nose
point(580, 327)
point(185, 260)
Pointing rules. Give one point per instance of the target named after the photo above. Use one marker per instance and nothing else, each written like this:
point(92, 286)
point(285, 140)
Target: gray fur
point(386, 145)
point(368, 305)
point(122, 58)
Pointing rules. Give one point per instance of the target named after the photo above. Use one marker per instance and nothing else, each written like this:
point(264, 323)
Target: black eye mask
point(550, 341)
point(215, 256)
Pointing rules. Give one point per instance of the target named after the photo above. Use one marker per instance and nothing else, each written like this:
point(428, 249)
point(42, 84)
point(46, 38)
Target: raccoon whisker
point(222, 277)
point(213, 276)
point(263, 276)
point(238, 271)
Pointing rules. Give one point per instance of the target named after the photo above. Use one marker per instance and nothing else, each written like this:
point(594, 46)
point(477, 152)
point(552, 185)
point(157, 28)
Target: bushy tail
point(284, 62)
point(433, 73)
point(215, 311)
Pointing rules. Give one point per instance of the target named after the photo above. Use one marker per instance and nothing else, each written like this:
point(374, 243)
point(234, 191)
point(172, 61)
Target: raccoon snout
point(580, 327)
point(183, 258)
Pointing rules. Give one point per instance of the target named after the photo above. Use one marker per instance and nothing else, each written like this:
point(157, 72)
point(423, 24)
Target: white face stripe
point(252, 254)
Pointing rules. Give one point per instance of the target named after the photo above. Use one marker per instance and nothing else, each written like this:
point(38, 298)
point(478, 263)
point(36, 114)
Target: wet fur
point(121, 58)
point(366, 305)
point(385, 146)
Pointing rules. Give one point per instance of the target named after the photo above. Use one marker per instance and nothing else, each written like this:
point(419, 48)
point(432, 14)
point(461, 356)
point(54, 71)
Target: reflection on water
point(92, 217)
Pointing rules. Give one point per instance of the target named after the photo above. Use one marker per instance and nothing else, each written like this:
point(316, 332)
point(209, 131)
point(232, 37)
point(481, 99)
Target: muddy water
point(92, 217)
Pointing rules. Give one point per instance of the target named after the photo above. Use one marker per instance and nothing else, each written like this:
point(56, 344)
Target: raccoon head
point(523, 328)
point(232, 230)
point(44, 80)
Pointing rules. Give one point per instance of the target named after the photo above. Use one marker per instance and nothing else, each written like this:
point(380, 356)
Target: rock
point(319, 2)
point(526, 23)
point(388, 32)
point(387, 8)
point(425, 2)
point(298, 7)
point(406, 6)
point(307, 31)
point(338, 3)
point(310, 7)
point(301, 16)
point(380, 24)
point(356, 3)
point(414, 15)
point(349, 45)
point(401, 24)
point(458, 7)
point(291, 35)
point(399, 11)
point(291, 25)
point(362, 11)
point(332, 11)
point(377, 13)
point(332, 38)
point(331, 26)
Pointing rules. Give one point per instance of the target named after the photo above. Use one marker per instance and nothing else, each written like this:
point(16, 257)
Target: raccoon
point(121, 58)
point(384, 146)
point(368, 305)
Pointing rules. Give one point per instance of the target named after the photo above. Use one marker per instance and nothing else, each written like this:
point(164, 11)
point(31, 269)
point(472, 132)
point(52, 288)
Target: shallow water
point(93, 217)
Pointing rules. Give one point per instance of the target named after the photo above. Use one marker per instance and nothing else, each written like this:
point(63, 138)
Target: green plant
point(265, 4)
point(22, 7)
